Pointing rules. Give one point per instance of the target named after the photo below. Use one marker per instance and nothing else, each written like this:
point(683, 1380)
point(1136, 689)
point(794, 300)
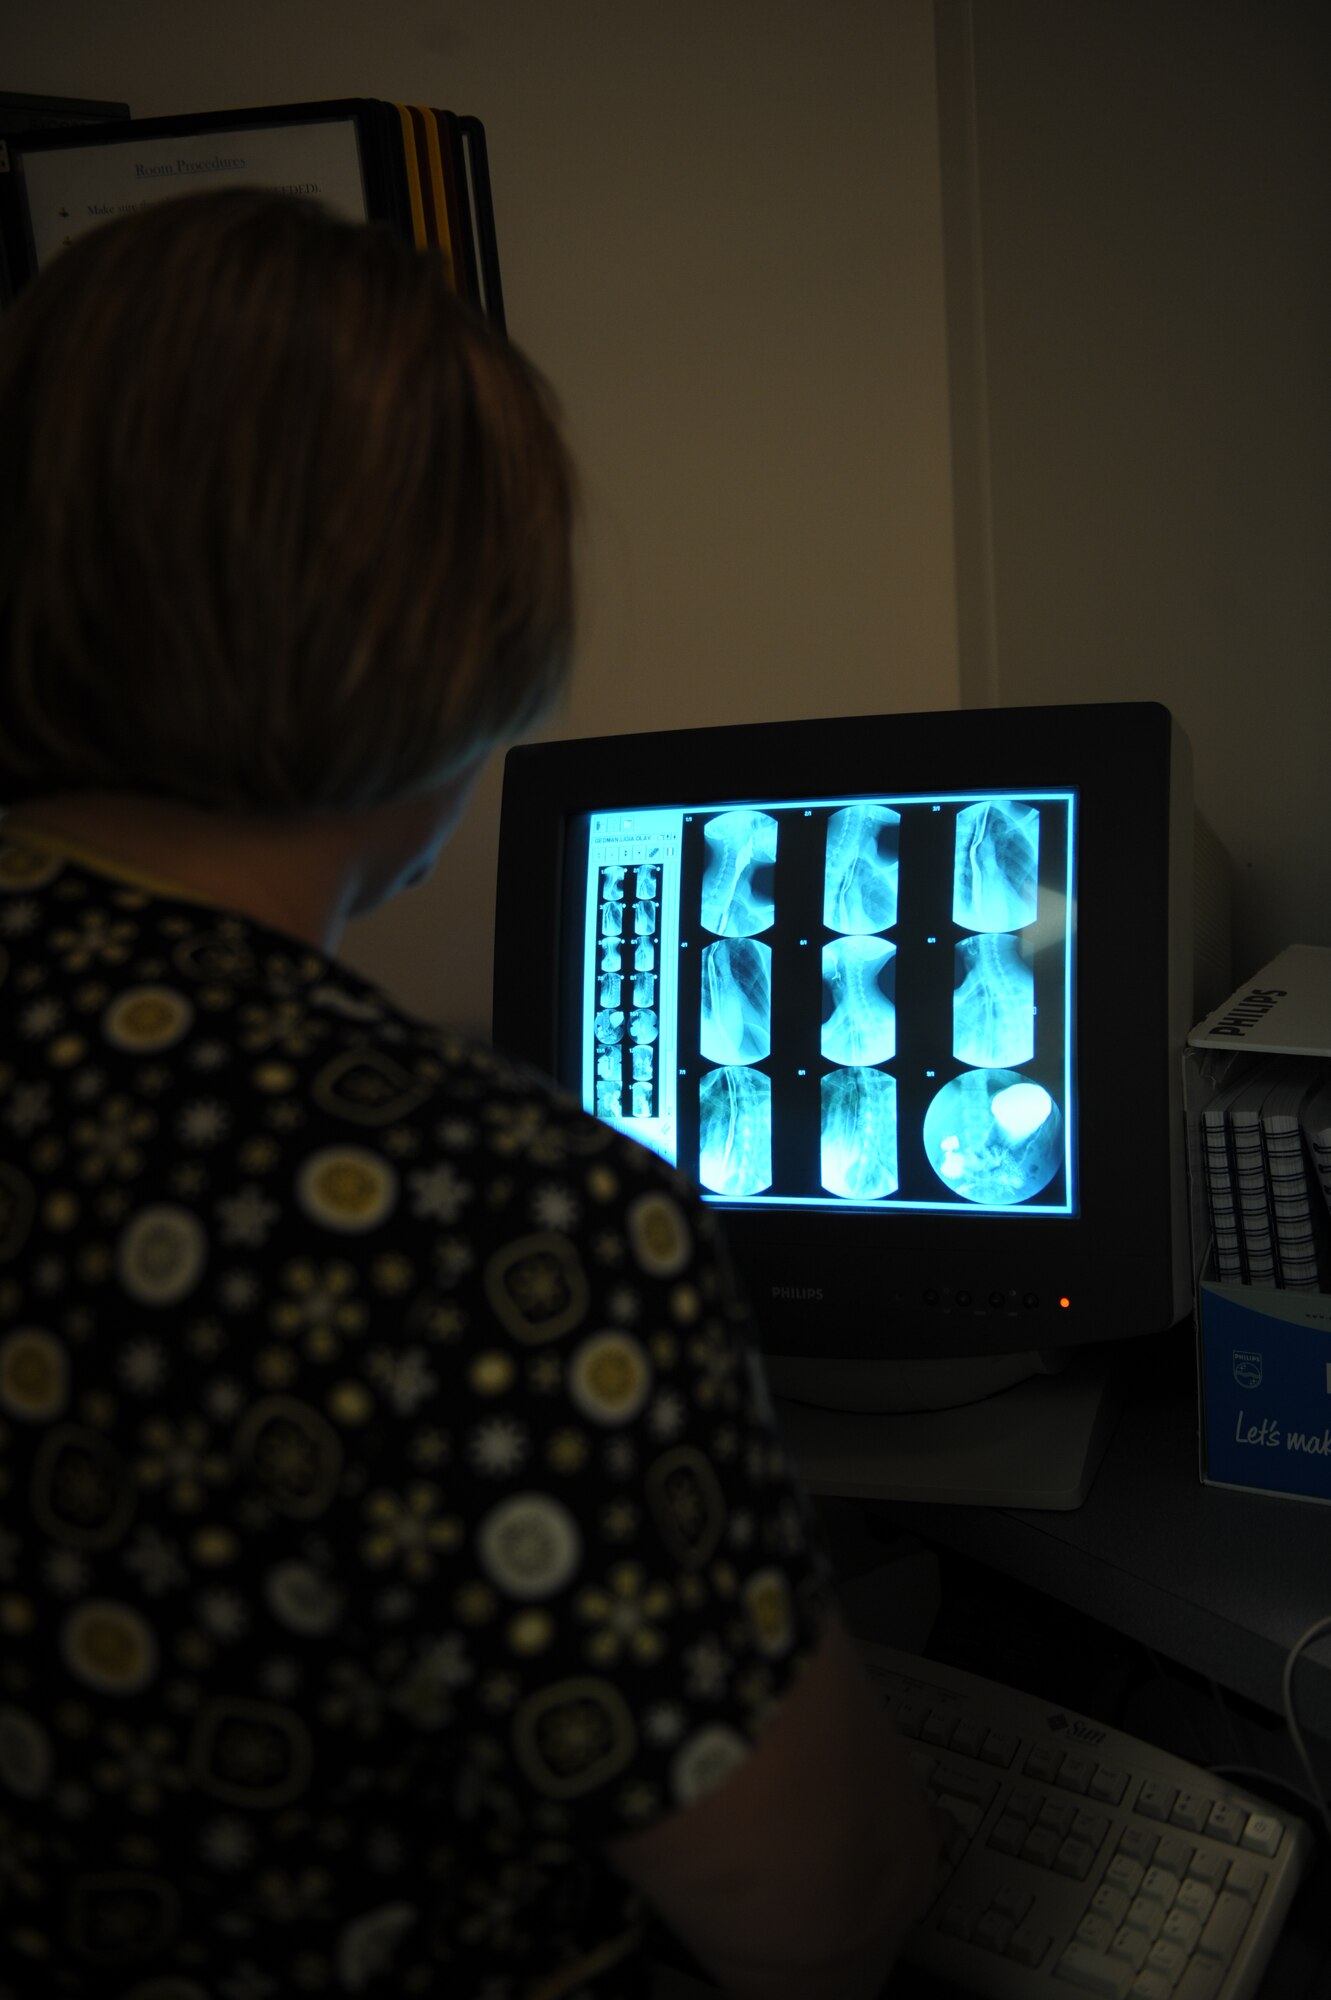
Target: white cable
point(1313, 1632)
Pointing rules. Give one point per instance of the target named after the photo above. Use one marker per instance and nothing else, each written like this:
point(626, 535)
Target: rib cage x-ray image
point(736, 1009)
point(859, 1133)
point(993, 1007)
point(996, 875)
point(860, 1019)
point(737, 892)
point(861, 870)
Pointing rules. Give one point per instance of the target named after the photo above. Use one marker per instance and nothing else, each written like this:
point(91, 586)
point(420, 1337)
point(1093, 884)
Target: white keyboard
point(1083, 1861)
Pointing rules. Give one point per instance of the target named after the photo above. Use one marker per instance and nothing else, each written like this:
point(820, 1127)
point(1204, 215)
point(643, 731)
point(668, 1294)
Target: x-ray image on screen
point(993, 1007)
point(858, 1137)
point(737, 891)
point(996, 880)
point(994, 1136)
point(859, 1018)
point(847, 1001)
point(736, 1001)
point(861, 869)
point(735, 1131)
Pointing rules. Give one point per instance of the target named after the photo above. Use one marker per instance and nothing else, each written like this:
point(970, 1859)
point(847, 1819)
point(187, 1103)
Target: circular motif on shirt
point(209, 957)
point(17, 1203)
point(367, 1087)
point(109, 1646)
point(116, 1918)
point(24, 868)
point(346, 1188)
point(610, 1378)
point(529, 1545)
point(706, 1761)
point(82, 1494)
point(537, 1287)
point(161, 1255)
point(250, 1753)
point(146, 1019)
point(687, 1504)
point(303, 1600)
point(767, 1600)
point(367, 1947)
point(292, 1453)
point(25, 1755)
point(573, 1736)
point(34, 1375)
point(659, 1235)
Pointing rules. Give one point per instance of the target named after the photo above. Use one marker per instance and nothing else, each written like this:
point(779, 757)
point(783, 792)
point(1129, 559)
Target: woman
point(403, 1585)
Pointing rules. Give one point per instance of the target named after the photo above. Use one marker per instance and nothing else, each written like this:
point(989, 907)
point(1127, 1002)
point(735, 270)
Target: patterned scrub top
point(390, 1507)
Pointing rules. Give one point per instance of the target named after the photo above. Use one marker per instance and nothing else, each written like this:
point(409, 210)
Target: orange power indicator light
point(1065, 1303)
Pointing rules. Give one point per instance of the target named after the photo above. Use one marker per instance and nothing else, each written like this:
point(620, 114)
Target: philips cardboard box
point(1262, 1229)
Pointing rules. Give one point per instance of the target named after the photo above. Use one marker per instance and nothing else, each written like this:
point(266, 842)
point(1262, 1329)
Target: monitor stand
point(1037, 1443)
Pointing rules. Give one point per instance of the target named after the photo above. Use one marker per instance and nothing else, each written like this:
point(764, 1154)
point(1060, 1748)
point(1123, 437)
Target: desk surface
point(1222, 1582)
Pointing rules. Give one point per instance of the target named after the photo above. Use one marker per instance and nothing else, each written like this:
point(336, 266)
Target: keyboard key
point(1024, 1803)
point(1090, 1827)
point(1028, 1946)
point(909, 1717)
point(1224, 1927)
point(968, 1738)
point(1245, 1879)
point(1174, 1853)
point(1008, 1835)
point(1000, 1747)
point(1181, 1928)
point(1156, 1799)
point(1013, 1902)
point(1043, 1763)
point(1194, 1899)
point(993, 1932)
point(1109, 1783)
point(1208, 1866)
point(1152, 1984)
point(1191, 1811)
point(1225, 1822)
point(1096, 1931)
point(1126, 1874)
point(937, 1728)
point(1112, 1903)
point(1159, 1886)
point(1131, 1947)
point(958, 1918)
point(1094, 1972)
point(1138, 1844)
point(1144, 1915)
point(1075, 1772)
point(1074, 1859)
point(1058, 1817)
point(1040, 1846)
point(967, 1786)
point(1262, 1833)
point(1201, 1981)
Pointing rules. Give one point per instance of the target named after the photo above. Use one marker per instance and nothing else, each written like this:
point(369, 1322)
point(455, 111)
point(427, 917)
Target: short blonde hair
point(284, 525)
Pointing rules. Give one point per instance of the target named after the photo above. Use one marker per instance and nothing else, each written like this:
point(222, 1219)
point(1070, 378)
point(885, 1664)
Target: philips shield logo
point(1247, 1369)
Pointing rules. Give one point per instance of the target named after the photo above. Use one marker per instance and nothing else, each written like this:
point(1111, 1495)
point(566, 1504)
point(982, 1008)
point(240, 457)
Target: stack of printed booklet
point(1262, 1126)
point(422, 171)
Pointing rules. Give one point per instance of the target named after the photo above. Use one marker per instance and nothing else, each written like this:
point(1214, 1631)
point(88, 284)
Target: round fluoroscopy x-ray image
point(994, 1137)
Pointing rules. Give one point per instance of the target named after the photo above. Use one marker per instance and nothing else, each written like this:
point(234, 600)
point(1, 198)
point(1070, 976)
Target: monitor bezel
point(863, 1285)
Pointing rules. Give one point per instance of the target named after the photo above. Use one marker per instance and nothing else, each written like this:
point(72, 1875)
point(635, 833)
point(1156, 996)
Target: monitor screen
point(905, 996)
point(832, 1001)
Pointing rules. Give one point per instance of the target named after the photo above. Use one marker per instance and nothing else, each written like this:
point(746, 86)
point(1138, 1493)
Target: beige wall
point(720, 235)
point(1140, 278)
point(722, 229)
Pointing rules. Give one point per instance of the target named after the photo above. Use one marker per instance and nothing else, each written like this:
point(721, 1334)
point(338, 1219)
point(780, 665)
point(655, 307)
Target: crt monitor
point(906, 996)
